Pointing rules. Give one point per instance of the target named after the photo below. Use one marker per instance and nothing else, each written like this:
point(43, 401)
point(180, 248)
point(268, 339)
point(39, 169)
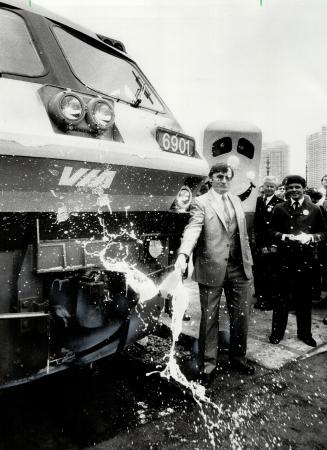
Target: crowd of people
point(288, 245)
point(270, 264)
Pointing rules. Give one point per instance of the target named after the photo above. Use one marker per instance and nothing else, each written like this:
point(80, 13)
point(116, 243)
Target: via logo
point(91, 178)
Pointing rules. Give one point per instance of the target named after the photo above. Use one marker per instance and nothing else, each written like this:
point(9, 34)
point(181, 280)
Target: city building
point(275, 160)
point(316, 166)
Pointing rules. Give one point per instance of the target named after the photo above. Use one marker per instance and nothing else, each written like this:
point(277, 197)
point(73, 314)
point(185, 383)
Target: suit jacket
point(323, 201)
point(207, 234)
point(308, 219)
point(262, 219)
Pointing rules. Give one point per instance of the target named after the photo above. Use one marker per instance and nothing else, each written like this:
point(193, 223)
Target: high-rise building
point(275, 160)
point(316, 157)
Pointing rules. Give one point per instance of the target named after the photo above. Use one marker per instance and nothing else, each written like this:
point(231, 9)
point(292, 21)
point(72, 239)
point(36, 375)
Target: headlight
point(72, 108)
point(100, 114)
point(183, 200)
point(67, 108)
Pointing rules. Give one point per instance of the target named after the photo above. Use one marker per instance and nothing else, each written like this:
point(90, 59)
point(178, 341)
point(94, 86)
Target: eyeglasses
point(221, 177)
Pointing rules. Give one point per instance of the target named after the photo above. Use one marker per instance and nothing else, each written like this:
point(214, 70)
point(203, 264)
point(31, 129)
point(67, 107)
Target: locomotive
point(96, 177)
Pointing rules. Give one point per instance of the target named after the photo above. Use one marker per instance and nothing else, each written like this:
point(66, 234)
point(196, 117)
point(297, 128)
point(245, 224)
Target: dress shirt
point(267, 199)
point(229, 205)
point(299, 201)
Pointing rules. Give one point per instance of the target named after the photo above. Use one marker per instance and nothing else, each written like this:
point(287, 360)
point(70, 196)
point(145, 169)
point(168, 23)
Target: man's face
point(280, 192)
point(295, 191)
point(269, 188)
point(221, 181)
point(324, 183)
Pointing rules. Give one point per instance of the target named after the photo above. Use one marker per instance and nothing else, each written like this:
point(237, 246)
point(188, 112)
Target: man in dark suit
point(323, 249)
point(265, 252)
point(323, 190)
point(297, 225)
point(217, 236)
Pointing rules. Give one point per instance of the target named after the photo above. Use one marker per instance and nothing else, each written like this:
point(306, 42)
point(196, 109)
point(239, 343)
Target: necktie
point(226, 210)
point(296, 205)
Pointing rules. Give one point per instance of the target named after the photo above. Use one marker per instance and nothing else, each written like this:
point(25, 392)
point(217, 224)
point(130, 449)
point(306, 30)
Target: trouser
point(237, 291)
point(322, 259)
point(295, 282)
point(265, 278)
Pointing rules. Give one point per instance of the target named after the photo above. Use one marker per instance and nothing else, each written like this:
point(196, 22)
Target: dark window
point(223, 145)
point(17, 52)
point(245, 147)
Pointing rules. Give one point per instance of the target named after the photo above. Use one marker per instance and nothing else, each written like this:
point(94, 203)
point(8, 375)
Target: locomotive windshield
point(107, 73)
point(17, 51)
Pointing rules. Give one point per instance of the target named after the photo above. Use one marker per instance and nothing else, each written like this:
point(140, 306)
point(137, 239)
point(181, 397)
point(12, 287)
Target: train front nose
point(239, 145)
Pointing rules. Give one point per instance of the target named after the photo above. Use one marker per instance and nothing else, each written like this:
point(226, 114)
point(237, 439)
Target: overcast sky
point(225, 59)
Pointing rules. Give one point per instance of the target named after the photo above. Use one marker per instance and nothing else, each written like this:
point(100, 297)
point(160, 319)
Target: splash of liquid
point(172, 370)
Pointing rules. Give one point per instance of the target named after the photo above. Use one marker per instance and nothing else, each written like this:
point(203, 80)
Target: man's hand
point(288, 237)
point(304, 238)
point(181, 263)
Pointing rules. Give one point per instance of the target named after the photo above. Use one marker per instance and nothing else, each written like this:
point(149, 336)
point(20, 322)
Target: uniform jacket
point(262, 218)
point(207, 236)
point(308, 219)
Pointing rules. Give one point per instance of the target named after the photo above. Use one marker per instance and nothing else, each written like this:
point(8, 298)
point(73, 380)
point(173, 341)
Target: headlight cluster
point(70, 109)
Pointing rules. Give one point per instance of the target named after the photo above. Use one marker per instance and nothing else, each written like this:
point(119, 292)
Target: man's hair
point(270, 179)
point(221, 167)
point(290, 179)
point(314, 194)
point(325, 176)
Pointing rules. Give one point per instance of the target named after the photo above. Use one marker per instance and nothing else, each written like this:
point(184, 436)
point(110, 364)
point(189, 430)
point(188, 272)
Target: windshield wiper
point(141, 91)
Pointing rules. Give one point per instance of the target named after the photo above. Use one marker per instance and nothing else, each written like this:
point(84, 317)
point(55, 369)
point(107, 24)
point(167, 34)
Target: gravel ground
point(117, 405)
point(284, 409)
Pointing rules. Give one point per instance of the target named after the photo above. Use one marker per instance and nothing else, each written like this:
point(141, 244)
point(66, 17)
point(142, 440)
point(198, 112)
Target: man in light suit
point(217, 236)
